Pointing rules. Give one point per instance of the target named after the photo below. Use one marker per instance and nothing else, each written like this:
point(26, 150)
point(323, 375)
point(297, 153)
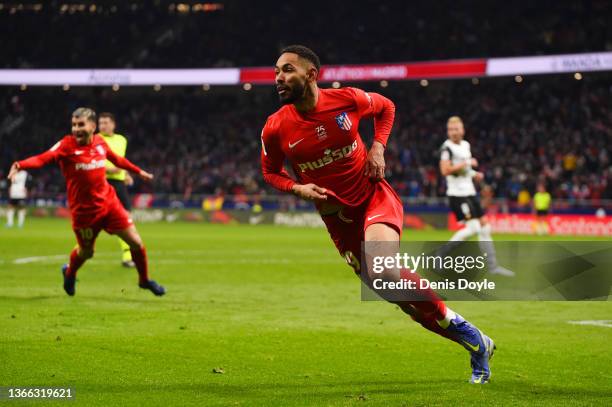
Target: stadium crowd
point(186, 34)
point(550, 129)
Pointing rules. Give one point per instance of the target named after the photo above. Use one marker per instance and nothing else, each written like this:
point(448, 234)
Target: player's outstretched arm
point(126, 164)
point(35, 161)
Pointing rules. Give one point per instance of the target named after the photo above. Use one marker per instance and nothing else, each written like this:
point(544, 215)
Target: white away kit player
point(457, 165)
point(17, 196)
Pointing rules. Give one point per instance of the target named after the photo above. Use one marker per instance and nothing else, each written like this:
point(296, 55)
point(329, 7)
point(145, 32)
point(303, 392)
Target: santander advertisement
point(576, 225)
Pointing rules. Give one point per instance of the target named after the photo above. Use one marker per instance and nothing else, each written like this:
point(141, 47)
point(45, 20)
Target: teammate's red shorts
point(113, 219)
point(347, 226)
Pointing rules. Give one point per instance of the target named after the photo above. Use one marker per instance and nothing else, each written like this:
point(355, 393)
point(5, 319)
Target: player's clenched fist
point(375, 164)
point(310, 192)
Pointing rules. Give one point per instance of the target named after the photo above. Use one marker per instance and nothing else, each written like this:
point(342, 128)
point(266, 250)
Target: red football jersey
point(85, 172)
point(324, 146)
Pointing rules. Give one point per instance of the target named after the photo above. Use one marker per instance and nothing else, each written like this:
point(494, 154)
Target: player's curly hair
point(86, 113)
point(305, 53)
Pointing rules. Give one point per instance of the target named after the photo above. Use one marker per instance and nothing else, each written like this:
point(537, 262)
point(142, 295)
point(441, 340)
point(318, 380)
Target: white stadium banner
point(551, 64)
point(599, 61)
point(123, 77)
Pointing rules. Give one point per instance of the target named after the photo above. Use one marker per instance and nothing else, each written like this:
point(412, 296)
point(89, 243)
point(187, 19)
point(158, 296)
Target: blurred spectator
point(151, 34)
point(553, 130)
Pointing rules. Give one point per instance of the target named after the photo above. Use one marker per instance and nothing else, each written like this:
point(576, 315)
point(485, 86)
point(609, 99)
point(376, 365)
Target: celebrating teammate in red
point(316, 130)
point(93, 202)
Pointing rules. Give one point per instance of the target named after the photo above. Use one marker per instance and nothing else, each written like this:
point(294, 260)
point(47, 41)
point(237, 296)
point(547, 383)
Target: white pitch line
point(36, 259)
point(42, 259)
point(100, 258)
point(596, 322)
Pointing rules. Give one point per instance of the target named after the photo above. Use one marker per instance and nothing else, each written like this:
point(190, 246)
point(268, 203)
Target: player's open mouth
point(282, 89)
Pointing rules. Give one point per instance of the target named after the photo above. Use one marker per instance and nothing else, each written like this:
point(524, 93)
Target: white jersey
point(460, 184)
point(17, 189)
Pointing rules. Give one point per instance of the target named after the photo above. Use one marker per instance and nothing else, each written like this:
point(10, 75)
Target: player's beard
point(82, 137)
point(293, 95)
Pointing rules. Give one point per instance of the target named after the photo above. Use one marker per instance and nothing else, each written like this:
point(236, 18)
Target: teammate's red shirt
point(324, 146)
point(89, 194)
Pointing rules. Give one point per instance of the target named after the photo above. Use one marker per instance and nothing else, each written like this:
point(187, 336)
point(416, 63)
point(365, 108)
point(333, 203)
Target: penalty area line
point(607, 323)
point(42, 259)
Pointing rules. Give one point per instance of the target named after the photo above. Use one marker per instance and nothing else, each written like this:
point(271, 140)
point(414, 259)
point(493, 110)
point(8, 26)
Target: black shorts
point(122, 193)
point(16, 202)
point(542, 212)
point(465, 207)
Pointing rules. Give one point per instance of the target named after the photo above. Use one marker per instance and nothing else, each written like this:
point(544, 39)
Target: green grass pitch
point(277, 313)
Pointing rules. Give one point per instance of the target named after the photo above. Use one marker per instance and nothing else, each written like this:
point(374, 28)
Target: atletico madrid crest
point(343, 121)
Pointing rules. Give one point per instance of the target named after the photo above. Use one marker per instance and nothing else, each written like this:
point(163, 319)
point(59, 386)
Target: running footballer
point(316, 131)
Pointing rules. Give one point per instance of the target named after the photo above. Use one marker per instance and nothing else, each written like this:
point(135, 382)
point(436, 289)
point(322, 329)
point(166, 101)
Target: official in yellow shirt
point(541, 201)
point(117, 177)
point(541, 205)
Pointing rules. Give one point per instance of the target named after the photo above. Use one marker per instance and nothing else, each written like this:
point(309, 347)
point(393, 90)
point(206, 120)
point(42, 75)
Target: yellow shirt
point(569, 162)
point(524, 198)
point(118, 144)
point(541, 201)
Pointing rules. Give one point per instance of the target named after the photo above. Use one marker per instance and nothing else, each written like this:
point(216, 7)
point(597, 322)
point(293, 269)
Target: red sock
point(428, 303)
point(426, 321)
point(75, 264)
point(428, 310)
point(139, 255)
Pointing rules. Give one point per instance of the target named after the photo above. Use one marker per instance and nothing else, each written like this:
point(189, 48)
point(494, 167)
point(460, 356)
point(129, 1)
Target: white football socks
point(471, 228)
point(10, 217)
point(450, 315)
point(486, 245)
point(21, 217)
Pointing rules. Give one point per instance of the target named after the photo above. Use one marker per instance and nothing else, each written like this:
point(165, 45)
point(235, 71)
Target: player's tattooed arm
point(310, 192)
point(375, 163)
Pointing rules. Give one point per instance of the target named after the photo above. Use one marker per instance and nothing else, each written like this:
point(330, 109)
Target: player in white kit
point(17, 196)
point(457, 165)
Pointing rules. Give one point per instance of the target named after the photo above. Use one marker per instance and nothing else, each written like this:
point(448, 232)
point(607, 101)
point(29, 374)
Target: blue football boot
point(69, 282)
point(480, 346)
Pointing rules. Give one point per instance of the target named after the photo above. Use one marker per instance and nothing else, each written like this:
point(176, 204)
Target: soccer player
point(17, 196)
point(94, 205)
point(316, 130)
point(117, 177)
point(457, 165)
